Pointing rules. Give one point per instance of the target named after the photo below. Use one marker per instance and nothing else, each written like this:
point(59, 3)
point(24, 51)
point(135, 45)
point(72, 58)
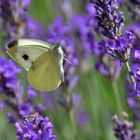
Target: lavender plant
point(119, 47)
point(86, 101)
point(111, 25)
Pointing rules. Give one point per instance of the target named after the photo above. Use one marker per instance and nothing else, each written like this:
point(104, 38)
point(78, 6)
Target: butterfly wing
point(26, 51)
point(46, 73)
point(25, 55)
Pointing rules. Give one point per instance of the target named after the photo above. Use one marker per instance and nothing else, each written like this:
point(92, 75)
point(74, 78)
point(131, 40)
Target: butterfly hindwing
point(46, 72)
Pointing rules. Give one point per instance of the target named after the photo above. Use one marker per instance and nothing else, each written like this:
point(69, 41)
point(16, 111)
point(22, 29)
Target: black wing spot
point(12, 44)
point(25, 57)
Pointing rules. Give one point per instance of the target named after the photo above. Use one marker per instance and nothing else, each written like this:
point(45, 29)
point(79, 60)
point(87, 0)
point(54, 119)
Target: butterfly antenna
point(68, 61)
point(58, 43)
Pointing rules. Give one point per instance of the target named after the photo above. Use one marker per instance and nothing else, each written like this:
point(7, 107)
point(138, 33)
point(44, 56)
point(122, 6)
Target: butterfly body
point(43, 62)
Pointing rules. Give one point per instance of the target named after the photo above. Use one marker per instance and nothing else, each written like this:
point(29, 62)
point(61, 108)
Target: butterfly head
point(57, 46)
point(57, 49)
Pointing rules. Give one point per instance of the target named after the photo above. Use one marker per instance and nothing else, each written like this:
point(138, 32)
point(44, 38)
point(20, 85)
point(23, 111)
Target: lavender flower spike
point(124, 130)
point(110, 22)
point(34, 127)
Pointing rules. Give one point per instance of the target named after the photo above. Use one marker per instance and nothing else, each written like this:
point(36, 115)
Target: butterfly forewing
point(25, 55)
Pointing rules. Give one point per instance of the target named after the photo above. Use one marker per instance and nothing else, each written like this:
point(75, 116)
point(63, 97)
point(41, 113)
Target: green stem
point(72, 117)
point(117, 97)
point(73, 123)
point(132, 79)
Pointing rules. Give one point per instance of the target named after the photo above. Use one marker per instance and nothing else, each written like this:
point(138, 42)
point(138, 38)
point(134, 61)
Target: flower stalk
point(131, 77)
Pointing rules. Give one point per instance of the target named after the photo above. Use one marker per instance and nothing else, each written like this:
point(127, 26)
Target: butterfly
point(42, 61)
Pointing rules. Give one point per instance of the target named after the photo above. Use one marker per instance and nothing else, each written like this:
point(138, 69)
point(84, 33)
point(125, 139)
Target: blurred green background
point(101, 98)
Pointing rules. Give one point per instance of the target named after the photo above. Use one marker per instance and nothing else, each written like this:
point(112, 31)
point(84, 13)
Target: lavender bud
point(109, 21)
point(124, 130)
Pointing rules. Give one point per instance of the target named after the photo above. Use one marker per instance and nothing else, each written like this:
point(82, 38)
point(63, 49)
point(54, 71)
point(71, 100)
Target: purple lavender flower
point(34, 127)
point(35, 30)
point(48, 100)
point(11, 117)
point(110, 22)
point(135, 10)
point(135, 29)
point(82, 27)
point(137, 75)
point(1, 105)
point(25, 3)
point(132, 97)
point(11, 88)
point(56, 31)
point(134, 91)
point(17, 23)
point(108, 66)
point(136, 72)
point(124, 130)
point(40, 108)
point(27, 105)
point(91, 10)
point(75, 99)
point(31, 93)
point(25, 109)
point(14, 17)
point(8, 74)
point(120, 48)
point(82, 117)
point(120, 2)
point(71, 104)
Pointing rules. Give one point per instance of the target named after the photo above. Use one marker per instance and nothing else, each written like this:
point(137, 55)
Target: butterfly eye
point(25, 57)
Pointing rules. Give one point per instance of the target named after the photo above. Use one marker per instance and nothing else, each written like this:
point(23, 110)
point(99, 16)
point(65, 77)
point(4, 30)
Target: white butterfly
point(43, 62)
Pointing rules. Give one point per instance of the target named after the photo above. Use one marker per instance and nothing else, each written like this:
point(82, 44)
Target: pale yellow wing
point(25, 55)
point(46, 73)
